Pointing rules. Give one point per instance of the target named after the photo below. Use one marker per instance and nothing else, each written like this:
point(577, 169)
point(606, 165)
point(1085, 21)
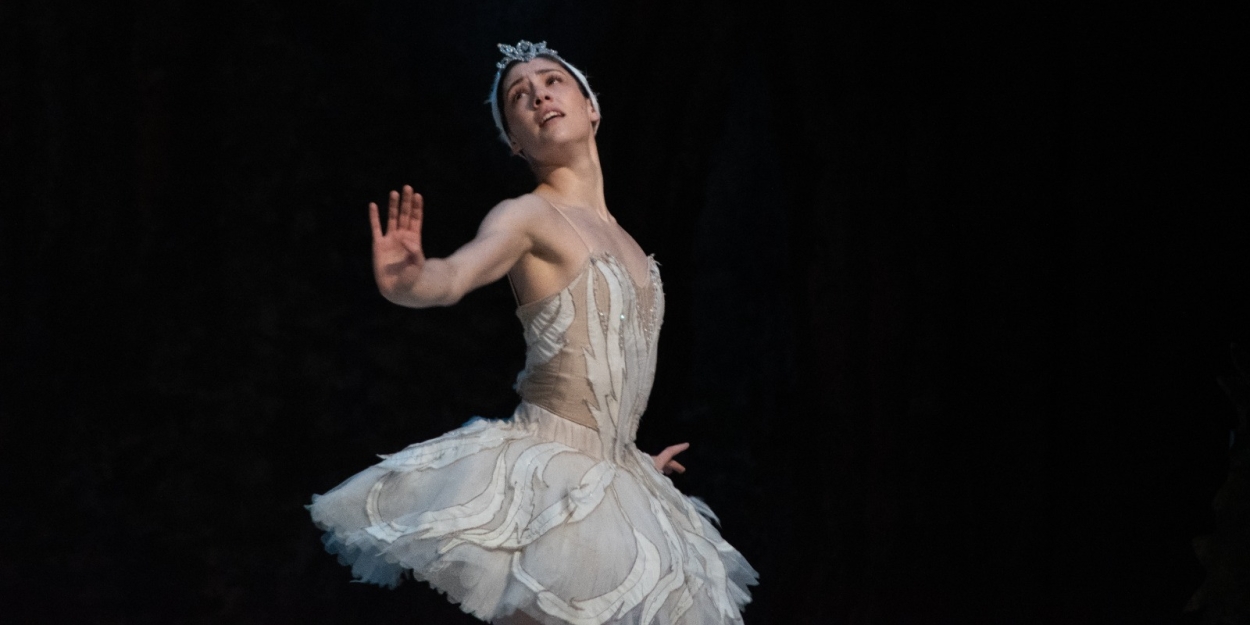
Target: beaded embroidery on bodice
point(591, 348)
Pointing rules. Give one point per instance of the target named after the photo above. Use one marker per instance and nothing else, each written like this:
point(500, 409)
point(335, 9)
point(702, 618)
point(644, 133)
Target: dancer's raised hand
point(397, 255)
point(664, 462)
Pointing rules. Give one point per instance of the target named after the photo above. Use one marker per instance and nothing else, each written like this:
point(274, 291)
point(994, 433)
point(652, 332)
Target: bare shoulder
point(527, 214)
point(555, 252)
point(525, 210)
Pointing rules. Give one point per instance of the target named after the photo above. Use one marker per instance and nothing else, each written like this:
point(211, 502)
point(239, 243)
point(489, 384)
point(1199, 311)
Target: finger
point(392, 212)
point(673, 450)
point(418, 213)
point(374, 223)
point(405, 208)
point(676, 466)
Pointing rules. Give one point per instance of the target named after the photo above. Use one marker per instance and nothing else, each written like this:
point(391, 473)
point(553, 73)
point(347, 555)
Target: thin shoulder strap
point(516, 298)
point(571, 225)
point(570, 222)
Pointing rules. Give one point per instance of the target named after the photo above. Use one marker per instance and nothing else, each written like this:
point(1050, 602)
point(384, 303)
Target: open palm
point(397, 254)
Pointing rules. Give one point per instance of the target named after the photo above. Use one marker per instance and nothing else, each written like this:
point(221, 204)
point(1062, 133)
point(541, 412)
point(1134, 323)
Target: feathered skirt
point(525, 514)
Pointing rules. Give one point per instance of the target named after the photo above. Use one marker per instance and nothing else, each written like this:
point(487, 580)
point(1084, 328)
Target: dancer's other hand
point(664, 462)
point(397, 254)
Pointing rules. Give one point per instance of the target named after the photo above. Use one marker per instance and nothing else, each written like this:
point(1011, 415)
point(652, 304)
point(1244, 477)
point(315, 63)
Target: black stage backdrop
point(949, 290)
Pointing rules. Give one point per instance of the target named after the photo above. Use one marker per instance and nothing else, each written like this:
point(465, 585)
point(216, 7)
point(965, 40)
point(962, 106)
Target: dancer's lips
point(548, 116)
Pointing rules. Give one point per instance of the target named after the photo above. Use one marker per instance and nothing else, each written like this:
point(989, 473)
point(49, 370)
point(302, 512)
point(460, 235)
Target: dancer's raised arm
point(406, 277)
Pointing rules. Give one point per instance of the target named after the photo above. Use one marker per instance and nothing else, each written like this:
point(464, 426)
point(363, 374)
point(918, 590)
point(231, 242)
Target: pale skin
point(552, 125)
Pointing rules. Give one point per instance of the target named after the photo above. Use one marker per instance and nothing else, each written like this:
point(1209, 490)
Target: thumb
point(412, 244)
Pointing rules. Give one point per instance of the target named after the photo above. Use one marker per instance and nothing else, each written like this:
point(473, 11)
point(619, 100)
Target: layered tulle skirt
point(527, 514)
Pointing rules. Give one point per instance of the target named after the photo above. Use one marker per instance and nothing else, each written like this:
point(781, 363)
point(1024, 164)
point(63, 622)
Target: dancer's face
point(544, 105)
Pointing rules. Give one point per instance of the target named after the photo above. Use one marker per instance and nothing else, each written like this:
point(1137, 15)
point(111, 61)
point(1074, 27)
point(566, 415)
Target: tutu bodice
point(591, 347)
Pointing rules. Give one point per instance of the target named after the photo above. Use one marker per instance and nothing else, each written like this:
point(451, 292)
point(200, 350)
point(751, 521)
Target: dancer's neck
point(577, 185)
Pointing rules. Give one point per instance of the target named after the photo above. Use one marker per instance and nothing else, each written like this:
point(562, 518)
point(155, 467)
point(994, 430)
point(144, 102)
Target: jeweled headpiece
point(524, 52)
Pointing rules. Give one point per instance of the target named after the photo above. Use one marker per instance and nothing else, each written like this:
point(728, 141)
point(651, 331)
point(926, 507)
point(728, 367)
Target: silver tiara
point(523, 52)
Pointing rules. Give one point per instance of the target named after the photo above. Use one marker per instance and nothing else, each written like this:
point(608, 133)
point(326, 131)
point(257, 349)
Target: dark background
point(948, 291)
